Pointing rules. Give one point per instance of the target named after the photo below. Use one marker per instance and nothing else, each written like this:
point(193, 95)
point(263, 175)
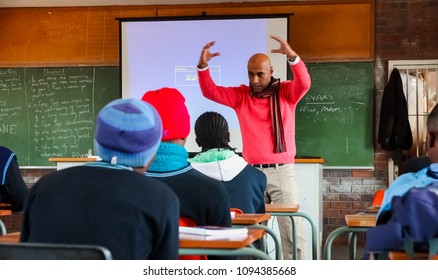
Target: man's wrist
point(293, 60)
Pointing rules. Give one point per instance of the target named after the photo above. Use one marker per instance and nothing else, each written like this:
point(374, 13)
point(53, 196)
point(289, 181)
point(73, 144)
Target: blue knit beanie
point(128, 132)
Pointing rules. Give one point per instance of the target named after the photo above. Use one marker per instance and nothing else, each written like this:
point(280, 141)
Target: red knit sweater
point(254, 114)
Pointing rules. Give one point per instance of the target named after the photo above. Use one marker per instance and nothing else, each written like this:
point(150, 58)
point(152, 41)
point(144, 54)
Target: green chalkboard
point(334, 120)
point(51, 112)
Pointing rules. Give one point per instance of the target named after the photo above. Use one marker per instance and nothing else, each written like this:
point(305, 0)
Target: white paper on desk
point(235, 237)
point(213, 230)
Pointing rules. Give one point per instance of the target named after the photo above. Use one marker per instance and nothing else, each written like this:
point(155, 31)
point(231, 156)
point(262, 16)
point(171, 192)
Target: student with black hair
point(421, 178)
point(244, 183)
point(13, 189)
point(203, 199)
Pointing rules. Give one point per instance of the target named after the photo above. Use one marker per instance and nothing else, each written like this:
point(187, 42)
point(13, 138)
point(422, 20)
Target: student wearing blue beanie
point(110, 203)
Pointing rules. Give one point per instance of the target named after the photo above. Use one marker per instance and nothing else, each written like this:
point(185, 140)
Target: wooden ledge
point(282, 208)
point(309, 160)
point(396, 255)
point(250, 219)
point(73, 159)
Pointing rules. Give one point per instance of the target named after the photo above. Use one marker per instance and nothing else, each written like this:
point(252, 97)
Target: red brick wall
point(404, 30)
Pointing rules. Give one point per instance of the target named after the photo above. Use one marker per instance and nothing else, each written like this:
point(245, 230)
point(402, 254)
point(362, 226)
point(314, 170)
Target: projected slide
point(164, 53)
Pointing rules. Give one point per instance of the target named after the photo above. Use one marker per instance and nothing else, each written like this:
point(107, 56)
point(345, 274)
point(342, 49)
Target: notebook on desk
point(213, 230)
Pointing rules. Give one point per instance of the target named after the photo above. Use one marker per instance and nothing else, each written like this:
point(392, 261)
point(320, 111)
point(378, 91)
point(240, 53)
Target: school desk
point(359, 222)
point(217, 247)
point(397, 255)
point(225, 246)
point(254, 221)
point(291, 210)
point(5, 210)
point(13, 237)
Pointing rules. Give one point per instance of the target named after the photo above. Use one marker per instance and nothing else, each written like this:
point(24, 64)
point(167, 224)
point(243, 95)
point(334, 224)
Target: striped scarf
point(272, 92)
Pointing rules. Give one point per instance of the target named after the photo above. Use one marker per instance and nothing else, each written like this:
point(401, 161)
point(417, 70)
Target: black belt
point(267, 165)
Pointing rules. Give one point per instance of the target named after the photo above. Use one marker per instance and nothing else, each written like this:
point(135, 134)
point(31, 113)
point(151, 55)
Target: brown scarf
point(272, 92)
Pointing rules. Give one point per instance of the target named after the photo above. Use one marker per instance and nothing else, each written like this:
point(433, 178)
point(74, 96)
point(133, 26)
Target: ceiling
point(70, 3)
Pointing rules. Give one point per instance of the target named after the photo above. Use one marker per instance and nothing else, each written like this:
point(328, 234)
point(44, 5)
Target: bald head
point(259, 71)
point(258, 61)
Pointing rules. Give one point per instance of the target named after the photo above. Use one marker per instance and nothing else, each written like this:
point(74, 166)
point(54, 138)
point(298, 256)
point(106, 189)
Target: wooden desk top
point(249, 219)
point(282, 208)
point(5, 209)
point(198, 242)
point(361, 219)
point(253, 235)
point(396, 255)
point(10, 238)
point(5, 212)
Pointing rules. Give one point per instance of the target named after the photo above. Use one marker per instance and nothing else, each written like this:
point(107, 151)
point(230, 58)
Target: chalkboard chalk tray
point(334, 120)
point(50, 112)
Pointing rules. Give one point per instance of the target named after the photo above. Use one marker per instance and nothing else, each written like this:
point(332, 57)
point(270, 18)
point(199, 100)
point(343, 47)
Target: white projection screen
point(164, 52)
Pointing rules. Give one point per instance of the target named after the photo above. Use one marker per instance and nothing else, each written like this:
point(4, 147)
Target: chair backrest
point(188, 222)
point(378, 197)
point(236, 210)
point(46, 251)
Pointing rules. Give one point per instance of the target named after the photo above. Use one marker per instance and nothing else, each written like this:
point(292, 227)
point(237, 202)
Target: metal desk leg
point(268, 230)
point(294, 240)
point(294, 234)
point(352, 245)
point(2, 228)
point(314, 233)
point(335, 233)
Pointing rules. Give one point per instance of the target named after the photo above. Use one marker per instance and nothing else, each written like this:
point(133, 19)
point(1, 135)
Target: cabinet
point(309, 178)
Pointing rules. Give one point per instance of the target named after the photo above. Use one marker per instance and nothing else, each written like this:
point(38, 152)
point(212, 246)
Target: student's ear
point(228, 137)
point(197, 142)
point(430, 140)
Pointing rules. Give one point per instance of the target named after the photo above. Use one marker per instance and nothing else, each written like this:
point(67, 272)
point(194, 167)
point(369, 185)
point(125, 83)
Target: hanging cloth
point(394, 129)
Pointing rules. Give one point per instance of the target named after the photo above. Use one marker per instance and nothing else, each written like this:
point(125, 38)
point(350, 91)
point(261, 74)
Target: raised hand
point(206, 55)
point(284, 48)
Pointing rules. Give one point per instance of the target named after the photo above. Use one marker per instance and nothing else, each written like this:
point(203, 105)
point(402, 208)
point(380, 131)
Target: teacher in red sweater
point(266, 112)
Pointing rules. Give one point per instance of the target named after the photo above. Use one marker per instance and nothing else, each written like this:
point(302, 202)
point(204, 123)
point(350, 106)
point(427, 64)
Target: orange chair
point(236, 211)
point(188, 222)
point(378, 197)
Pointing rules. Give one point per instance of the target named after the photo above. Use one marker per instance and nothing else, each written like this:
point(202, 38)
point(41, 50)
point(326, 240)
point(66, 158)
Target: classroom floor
point(340, 252)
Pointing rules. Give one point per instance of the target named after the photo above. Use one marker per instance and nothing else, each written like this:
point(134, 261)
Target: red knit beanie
point(170, 104)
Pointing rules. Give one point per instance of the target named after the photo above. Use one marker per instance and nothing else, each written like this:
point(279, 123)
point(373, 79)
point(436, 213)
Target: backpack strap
point(433, 247)
point(409, 247)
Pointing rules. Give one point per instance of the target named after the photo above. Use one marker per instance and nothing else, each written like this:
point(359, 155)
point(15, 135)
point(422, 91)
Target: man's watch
point(292, 60)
